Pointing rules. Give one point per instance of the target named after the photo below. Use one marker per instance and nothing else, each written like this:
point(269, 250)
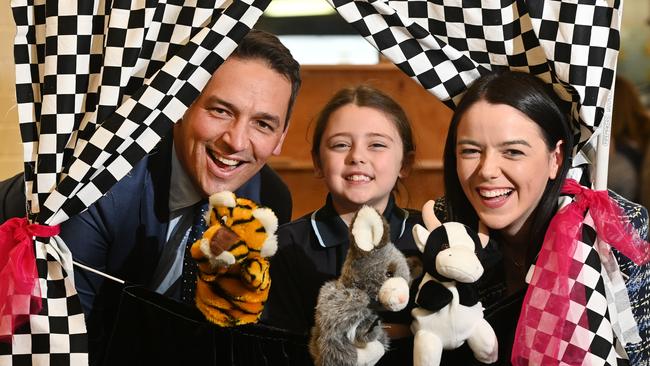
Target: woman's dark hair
point(365, 96)
point(535, 99)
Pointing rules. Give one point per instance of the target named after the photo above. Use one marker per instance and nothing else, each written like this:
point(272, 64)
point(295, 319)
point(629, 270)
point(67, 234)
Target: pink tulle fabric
point(544, 335)
point(19, 288)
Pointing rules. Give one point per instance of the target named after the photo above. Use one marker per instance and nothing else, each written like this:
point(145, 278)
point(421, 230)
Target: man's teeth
point(229, 162)
point(359, 178)
point(495, 192)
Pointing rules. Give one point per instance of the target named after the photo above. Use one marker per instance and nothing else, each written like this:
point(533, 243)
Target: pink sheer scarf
point(20, 293)
point(544, 335)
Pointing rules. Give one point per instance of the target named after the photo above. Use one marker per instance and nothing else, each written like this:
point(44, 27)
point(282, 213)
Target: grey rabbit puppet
point(375, 276)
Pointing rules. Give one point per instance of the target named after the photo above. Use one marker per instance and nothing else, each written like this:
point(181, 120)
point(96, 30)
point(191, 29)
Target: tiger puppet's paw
point(233, 270)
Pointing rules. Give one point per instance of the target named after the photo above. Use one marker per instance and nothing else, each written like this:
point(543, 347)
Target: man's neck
point(181, 189)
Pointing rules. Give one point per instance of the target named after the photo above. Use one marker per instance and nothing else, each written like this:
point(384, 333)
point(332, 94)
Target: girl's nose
point(356, 156)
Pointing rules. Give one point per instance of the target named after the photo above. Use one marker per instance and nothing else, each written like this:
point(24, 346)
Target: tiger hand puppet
point(233, 270)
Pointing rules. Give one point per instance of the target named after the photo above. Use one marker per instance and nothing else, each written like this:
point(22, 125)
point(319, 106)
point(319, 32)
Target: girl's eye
point(378, 145)
point(339, 145)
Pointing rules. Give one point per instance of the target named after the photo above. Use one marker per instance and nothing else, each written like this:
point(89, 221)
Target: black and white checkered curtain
point(97, 84)
point(446, 44)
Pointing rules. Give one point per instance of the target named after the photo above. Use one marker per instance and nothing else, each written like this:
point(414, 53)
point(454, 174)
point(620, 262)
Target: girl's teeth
point(495, 193)
point(358, 178)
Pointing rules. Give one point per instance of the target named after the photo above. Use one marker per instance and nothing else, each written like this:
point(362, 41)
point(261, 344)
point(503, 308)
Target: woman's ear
point(556, 160)
point(407, 164)
point(318, 171)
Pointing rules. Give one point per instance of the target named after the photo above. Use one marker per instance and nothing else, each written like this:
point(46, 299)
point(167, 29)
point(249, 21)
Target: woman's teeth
point(494, 193)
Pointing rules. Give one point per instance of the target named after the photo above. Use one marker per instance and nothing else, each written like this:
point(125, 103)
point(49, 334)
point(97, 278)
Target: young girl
point(362, 145)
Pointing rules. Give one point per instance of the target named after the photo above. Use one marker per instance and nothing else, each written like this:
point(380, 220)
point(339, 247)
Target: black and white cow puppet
point(448, 312)
point(375, 276)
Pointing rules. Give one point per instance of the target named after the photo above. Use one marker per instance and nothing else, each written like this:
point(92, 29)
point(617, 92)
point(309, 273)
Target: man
point(139, 230)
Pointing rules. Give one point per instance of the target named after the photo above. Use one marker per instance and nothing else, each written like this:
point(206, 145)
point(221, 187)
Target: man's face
point(234, 126)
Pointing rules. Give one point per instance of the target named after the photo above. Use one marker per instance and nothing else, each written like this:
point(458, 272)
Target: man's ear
point(278, 147)
point(556, 159)
point(407, 165)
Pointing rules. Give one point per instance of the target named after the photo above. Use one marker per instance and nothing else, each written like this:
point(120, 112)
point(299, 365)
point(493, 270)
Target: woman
point(505, 162)
point(506, 156)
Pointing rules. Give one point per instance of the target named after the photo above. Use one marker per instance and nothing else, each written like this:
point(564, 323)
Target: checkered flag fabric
point(446, 44)
point(97, 85)
point(588, 338)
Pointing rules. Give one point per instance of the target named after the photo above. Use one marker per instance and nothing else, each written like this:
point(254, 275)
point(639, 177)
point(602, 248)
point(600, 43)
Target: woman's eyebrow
point(515, 142)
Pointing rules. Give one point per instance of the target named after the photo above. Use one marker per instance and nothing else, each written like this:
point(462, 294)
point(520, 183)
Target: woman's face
point(503, 164)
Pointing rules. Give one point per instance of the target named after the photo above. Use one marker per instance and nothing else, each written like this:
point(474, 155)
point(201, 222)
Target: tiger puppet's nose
point(223, 240)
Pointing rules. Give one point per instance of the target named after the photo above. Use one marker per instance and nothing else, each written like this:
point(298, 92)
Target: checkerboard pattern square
point(97, 85)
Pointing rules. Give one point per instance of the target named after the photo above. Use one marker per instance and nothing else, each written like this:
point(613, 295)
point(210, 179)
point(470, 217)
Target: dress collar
point(332, 231)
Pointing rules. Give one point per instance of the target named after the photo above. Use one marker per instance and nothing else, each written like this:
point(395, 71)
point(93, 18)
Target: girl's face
point(360, 158)
point(503, 164)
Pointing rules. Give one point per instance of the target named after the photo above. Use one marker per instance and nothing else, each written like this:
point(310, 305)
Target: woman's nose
point(489, 167)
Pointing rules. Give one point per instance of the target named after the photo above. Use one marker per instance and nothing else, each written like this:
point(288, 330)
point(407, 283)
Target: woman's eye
point(469, 151)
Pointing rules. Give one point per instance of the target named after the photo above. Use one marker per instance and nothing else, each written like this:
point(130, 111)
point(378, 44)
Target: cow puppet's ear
point(483, 234)
point(420, 236)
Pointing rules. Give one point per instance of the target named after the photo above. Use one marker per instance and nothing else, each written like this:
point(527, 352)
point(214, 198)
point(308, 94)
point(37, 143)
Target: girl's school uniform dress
point(311, 251)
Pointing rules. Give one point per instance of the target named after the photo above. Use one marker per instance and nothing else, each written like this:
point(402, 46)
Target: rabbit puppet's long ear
point(367, 229)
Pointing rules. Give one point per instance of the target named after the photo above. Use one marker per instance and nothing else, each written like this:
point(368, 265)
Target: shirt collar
point(331, 230)
point(182, 193)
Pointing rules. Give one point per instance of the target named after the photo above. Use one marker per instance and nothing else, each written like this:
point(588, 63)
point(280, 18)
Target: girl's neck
point(346, 211)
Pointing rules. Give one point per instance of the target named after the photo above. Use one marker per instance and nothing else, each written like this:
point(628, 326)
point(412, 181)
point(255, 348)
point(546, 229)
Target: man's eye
point(220, 111)
point(265, 125)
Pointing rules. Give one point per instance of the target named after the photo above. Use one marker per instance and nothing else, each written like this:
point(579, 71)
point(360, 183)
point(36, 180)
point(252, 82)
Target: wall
point(10, 146)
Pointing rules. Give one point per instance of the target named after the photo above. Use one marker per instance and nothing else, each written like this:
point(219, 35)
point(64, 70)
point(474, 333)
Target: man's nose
point(236, 136)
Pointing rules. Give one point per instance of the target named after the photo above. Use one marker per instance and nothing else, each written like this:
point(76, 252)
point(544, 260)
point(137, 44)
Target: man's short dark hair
point(261, 45)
